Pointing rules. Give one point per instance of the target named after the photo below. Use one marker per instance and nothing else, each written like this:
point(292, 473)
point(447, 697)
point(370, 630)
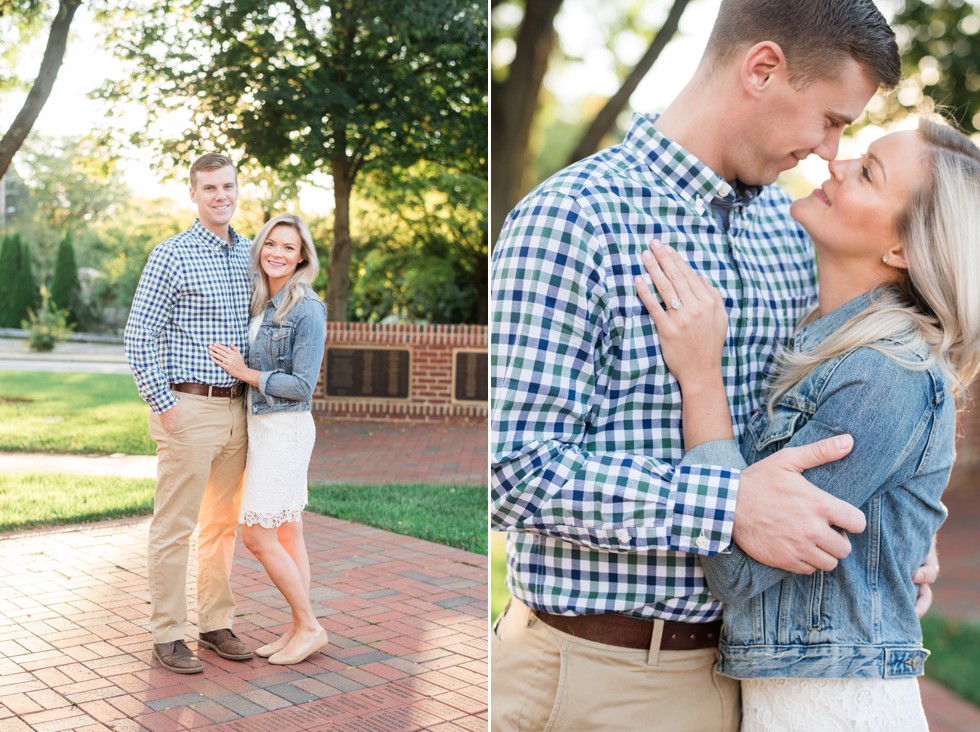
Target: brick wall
point(432, 350)
point(968, 432)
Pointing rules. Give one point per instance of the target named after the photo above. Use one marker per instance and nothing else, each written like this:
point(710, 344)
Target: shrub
point(47, 326)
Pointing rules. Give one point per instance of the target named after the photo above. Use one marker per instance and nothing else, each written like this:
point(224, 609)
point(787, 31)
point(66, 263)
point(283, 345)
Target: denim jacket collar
point(813, 334)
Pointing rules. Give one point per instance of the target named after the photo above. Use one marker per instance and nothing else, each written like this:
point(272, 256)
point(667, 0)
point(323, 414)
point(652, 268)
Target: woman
point(286, 341)
point(894, 338)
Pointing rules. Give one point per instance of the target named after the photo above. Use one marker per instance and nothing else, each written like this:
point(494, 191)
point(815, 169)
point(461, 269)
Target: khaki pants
point(545, 680)
point(200, 470)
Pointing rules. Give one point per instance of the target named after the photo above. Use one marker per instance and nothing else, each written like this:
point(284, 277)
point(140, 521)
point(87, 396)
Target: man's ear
point(759, 64)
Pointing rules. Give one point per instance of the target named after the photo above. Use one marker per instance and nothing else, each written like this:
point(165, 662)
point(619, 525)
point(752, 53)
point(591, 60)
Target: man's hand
point(783, 520)
point(169, 418)
point(924, 576)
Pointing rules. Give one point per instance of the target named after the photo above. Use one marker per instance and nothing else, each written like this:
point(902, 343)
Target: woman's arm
point(892, 416)
point(692, 330)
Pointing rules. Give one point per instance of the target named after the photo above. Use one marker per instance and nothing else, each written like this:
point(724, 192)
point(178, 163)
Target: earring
point(884, 258)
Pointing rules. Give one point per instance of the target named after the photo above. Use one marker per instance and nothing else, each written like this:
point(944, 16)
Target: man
point(612, 626)
point(193, 292)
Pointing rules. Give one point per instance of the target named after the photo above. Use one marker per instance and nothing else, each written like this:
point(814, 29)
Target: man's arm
point(791, 526)
point(854, 401)
point(553, 353)
point(153, 304)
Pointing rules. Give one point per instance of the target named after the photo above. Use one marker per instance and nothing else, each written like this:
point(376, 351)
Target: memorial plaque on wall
point(470, 376)
point(368, 373)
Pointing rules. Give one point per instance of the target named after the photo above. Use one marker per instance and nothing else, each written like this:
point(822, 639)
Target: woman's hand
point(693, 326)
point(230, 359)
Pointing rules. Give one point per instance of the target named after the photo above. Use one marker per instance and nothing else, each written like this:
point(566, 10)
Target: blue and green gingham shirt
point(587, 470)
point(194, 291)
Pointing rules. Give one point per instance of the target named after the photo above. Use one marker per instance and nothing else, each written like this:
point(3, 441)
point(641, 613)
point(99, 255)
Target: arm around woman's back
point(892, 414)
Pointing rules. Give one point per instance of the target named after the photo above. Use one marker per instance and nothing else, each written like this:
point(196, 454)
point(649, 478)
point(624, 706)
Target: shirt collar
point(810, 336)
point(213, 239)
point(682, 170)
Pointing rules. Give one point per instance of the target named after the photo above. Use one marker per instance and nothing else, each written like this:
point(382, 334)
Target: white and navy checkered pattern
point(194, 291)
point(586, 433)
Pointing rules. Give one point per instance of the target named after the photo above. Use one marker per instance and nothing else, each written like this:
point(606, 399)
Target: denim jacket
point(857, 621)
point(288, 355)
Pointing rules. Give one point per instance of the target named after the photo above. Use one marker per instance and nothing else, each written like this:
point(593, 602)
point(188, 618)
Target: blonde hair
point(935, 307)
point(301, 279)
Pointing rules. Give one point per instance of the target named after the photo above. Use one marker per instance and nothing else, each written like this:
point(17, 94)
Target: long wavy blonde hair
point(301, 279)
point(935, 307)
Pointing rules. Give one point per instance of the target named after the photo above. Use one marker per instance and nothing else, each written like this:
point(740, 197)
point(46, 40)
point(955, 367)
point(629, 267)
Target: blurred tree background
point(566, 75)
point(379, 109)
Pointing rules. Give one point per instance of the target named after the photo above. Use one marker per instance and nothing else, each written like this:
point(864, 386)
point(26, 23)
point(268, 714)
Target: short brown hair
point(813, 34)
point(210, 161)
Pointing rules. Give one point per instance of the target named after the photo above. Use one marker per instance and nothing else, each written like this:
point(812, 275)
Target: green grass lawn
point(73, 413)
point(955, 659)
point(499, 595)
point(32, 500)
point(444, 514)
point(455, 516)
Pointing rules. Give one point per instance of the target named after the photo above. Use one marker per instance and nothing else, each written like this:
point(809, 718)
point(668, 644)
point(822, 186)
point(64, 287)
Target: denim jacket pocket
point(768, 433)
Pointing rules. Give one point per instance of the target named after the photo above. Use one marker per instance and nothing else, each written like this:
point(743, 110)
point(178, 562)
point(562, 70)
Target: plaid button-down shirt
point(194, 291)
point(587, 473)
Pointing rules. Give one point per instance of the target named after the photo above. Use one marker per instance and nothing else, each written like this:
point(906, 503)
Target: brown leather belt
point(629, 632)
point(232, 392)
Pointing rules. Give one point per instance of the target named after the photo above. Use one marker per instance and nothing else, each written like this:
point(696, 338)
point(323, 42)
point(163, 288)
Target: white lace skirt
point(832, 705)
point(279, 449)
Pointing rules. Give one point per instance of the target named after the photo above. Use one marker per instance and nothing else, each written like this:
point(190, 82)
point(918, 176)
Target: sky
point(70, 111)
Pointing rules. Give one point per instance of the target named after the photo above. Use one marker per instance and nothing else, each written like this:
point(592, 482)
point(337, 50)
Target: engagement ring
point(676, 304)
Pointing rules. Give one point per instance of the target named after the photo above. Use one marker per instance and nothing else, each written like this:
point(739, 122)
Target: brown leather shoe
point(225, 644)
point(177, 657)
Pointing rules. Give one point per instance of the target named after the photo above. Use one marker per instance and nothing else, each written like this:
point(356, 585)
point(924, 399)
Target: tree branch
point(606, 118)
point(54, 54)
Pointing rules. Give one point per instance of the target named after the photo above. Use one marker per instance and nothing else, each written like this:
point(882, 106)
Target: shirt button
point(623, 535)
point(702, 542)
point(699, 205)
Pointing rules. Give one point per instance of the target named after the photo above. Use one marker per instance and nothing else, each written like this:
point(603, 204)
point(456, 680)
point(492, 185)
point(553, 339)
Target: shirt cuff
point(704, 509)
point(717, 452)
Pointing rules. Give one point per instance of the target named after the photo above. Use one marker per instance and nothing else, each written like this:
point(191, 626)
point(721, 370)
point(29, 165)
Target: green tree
point(347, 86)
point(20, 294)
point(528, 30)
point(426, 257)
point(941, 55)
point(66, 290)
point(10, 256)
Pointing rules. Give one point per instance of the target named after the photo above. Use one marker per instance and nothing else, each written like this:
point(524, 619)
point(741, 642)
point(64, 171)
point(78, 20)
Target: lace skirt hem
point(271, 520)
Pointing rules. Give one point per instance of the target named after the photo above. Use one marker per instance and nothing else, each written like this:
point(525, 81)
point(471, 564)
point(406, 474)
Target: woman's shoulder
point(311, 304)
point(879, 374)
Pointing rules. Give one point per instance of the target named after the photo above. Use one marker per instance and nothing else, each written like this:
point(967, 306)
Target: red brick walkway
point(407, 620)
point(378, 452)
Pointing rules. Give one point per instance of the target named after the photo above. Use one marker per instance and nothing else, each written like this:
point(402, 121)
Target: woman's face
point(852, 215)
point(282, 251)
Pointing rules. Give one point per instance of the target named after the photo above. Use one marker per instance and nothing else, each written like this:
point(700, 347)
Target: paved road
point(98, 358)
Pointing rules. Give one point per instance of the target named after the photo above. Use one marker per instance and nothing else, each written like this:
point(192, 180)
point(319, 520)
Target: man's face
point(216, 195)
point(796, 123)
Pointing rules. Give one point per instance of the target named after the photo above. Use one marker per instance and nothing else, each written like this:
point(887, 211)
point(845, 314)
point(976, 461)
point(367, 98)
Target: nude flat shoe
point(316, 643)
point(266, 651)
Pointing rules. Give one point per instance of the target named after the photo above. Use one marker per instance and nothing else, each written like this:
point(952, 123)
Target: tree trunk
point(514, 104)
point(338, 281)
point(606, 118)
point(54, 54)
